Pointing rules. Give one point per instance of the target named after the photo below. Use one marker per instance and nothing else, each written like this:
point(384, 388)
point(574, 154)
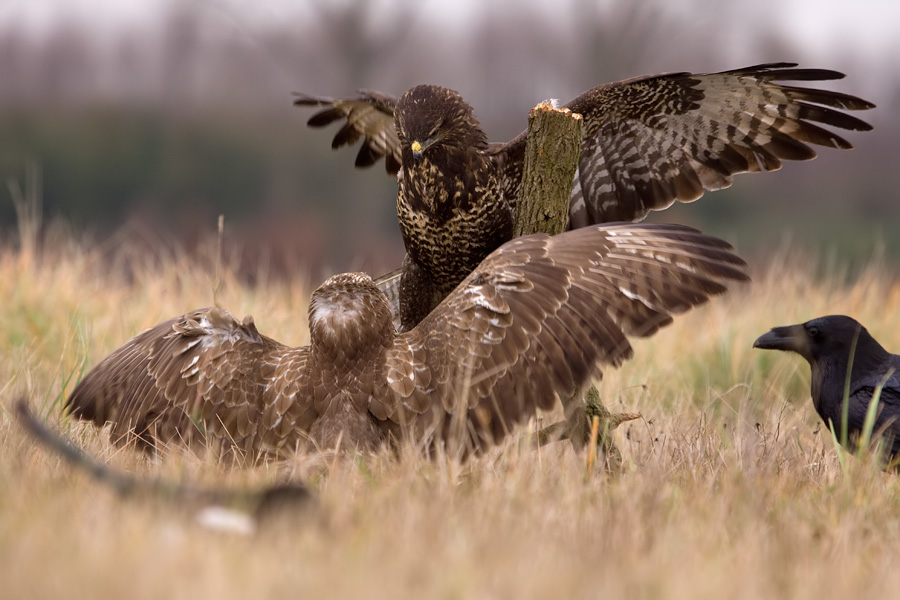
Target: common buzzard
point(540, 316)
point(648, 141)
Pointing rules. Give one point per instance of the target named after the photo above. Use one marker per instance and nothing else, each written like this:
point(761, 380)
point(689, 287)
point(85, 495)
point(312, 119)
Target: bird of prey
point(540, 316)
point(845, 358)
point(648, 141)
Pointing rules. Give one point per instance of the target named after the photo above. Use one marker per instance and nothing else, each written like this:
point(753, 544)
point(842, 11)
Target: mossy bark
point(552, 150)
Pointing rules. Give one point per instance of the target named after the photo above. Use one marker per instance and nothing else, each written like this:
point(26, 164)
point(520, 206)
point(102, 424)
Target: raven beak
point(790, 339)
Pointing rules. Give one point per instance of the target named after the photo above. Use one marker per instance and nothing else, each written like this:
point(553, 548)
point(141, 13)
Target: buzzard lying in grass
point(540, 316)
point(648, 141)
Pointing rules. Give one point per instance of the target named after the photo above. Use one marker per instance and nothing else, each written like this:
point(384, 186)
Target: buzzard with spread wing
point(540, 316)
point(648, 141)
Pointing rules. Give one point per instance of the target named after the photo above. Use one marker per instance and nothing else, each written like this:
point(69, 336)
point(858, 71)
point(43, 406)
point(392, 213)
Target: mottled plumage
point(829, 344)
point(540, 316)
point(648, 141)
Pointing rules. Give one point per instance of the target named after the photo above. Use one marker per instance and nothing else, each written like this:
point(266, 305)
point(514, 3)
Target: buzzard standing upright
point(540, 316)
point(648, 141)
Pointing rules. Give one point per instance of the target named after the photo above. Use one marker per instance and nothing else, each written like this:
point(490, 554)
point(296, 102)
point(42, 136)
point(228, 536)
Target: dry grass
point(730, 488)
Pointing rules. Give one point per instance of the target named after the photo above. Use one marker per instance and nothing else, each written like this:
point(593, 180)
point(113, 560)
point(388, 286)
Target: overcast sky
point(860, 38)
point(509, 67)
point(869, 26)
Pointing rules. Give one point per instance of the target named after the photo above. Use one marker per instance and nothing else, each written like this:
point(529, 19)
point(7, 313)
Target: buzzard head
point(349, 316)
point(433, 120)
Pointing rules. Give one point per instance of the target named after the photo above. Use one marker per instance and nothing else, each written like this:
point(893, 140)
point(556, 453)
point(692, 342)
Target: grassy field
point(730, 487)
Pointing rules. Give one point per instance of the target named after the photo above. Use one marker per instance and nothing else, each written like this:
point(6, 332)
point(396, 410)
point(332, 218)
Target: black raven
point(836, 346)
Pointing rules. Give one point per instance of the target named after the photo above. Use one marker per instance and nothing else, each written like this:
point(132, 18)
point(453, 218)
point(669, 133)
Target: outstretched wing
point(370, 116)
point(203, 372)
point(541, 315)
point(652, 140)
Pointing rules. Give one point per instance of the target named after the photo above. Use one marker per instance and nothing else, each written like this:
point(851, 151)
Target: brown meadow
point(730, 485)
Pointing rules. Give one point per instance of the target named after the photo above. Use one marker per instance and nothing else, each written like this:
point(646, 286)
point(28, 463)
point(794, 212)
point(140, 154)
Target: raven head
point(822, 338)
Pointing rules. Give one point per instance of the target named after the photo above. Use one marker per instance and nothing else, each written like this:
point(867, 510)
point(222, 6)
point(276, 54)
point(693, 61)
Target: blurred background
point(143, 120)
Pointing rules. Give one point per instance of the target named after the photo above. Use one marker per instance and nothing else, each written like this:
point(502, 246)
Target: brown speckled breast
point(450, 225)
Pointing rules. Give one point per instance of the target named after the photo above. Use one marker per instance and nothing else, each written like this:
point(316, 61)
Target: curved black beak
point(790, 338)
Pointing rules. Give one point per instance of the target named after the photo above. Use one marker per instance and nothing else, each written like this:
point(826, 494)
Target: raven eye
point(813, 331)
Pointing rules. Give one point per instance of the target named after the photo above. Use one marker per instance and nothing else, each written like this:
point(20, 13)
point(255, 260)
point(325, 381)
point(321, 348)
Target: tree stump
point(552, 150)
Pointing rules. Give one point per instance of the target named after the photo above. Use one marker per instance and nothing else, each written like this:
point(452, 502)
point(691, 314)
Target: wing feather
point(203, 375)
point(542, 315)
point(650, 140)
point(887, 420)
point(369, 115)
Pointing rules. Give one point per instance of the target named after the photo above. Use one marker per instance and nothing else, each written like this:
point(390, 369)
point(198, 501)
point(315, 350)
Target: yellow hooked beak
point(416, 147)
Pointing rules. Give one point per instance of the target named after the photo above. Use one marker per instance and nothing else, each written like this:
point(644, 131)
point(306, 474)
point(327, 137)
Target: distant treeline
point(167, 126)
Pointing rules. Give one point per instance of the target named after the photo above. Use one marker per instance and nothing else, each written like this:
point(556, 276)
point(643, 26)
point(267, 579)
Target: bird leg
point(552, 433)
point(580, 410)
